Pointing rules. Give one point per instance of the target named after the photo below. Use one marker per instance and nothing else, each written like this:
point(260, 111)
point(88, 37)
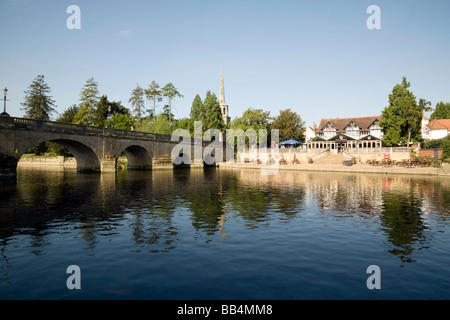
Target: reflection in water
point(148, 202)
point(162, 211)
point(100, 206)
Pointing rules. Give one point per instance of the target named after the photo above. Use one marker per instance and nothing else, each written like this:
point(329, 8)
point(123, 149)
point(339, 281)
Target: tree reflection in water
point(153, 207)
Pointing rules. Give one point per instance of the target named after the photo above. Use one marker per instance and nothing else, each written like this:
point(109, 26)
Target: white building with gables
point(343, 133)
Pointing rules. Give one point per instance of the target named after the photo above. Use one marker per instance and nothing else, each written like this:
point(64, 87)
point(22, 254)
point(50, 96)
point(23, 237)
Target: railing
point(59, 127)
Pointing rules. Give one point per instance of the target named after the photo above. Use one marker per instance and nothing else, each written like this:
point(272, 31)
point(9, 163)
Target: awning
point(290, 142)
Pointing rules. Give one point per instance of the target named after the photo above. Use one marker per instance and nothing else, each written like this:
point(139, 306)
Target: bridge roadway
point(95, 149)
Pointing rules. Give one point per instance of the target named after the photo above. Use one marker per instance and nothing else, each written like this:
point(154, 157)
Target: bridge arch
point(86, 158)
point(139, 158)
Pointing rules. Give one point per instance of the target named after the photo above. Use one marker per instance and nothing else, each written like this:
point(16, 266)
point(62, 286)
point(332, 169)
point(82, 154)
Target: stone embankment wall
point(48, 161)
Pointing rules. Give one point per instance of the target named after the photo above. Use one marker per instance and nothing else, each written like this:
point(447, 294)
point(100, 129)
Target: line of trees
point(97, 110)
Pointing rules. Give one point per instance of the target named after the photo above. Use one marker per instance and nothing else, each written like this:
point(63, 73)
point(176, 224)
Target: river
point(224, 234)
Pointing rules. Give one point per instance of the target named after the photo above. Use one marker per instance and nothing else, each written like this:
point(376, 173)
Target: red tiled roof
point(340, 123)
point(439, 124)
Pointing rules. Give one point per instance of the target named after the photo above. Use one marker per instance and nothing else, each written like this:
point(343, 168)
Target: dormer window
point(352, 129)
point(375, 129)
point(329, 130)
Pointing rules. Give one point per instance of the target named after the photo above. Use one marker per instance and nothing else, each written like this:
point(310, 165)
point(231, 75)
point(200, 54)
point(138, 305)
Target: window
point(352, 129)
point(329, 131)
point(375, 129)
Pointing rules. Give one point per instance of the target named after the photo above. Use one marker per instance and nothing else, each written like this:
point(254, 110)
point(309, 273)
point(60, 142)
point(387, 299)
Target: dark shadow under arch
point(138, 158)
point(87, 160)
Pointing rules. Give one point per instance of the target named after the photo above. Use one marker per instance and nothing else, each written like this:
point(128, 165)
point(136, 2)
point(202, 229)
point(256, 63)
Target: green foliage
point(401, 120)
point(137, 102)
point(154, 94)
point(255, 119)
point(442, 111)
point(159, 125)
point(252, 119)
point(171, 93)
point(106, 111)
point(443, 144)
point(57, 149)
point(38, 104)
point(121, 121)
point(197, 112)
point(290, 125)
point(184, 123)
point(69, 114)
point(213, 115)
point(88, 104)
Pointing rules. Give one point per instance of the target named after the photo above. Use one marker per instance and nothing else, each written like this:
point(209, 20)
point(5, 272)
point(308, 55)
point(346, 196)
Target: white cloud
point(125, 33)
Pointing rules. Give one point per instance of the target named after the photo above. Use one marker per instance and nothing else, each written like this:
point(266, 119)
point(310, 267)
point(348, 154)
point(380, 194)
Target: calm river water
point(224, 234)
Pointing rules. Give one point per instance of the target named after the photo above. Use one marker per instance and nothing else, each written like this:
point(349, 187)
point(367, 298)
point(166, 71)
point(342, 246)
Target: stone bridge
point(95, 149)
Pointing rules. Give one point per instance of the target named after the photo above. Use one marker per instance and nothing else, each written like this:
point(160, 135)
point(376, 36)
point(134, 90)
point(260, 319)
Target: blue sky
point(317, 58)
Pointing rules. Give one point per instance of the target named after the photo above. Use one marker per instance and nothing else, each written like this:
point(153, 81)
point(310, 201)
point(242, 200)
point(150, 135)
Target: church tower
point(223, 105)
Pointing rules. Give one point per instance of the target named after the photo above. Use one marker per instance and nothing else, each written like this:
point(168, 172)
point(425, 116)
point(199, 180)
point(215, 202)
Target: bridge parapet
point(67, 128)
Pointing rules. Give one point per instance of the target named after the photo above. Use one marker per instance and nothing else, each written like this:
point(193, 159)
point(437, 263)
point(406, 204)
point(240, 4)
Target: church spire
point(223, 105)
point(222, 90)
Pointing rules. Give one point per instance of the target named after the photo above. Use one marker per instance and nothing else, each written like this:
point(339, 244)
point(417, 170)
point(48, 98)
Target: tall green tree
point(197, 112)
point(38, 103)
point(137, 102)
point(171, 93)
point(69, 114)
point(442, 111)
point(290, 125)
point(88, 103)
point(213, 115)
point(154, 93)
point(401, 120)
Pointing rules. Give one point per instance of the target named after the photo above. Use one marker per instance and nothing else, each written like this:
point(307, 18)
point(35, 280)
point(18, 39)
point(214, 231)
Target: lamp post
point(4, 114)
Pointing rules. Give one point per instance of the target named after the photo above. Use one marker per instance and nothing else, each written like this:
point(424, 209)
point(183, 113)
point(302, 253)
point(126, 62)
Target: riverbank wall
point(318, 166)
point(357, 168)
point(59, 161)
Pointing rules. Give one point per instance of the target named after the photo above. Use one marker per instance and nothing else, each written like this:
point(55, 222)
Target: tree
point(255, 119)
point(184, 123)
point(197, 112)
point(101, 112)
point(38, 103)
point(401, 120)
point(137, 101)
point(443, 143)
point(106, 111)
point(88, 103)
point(290, 125)
point(121, 121)
point(166, 111)
point(154, 94)
point(252, 118)
point(171, 93)
point(213, 116)
point(159, 124)
point(442, 111)
point(69, 114)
